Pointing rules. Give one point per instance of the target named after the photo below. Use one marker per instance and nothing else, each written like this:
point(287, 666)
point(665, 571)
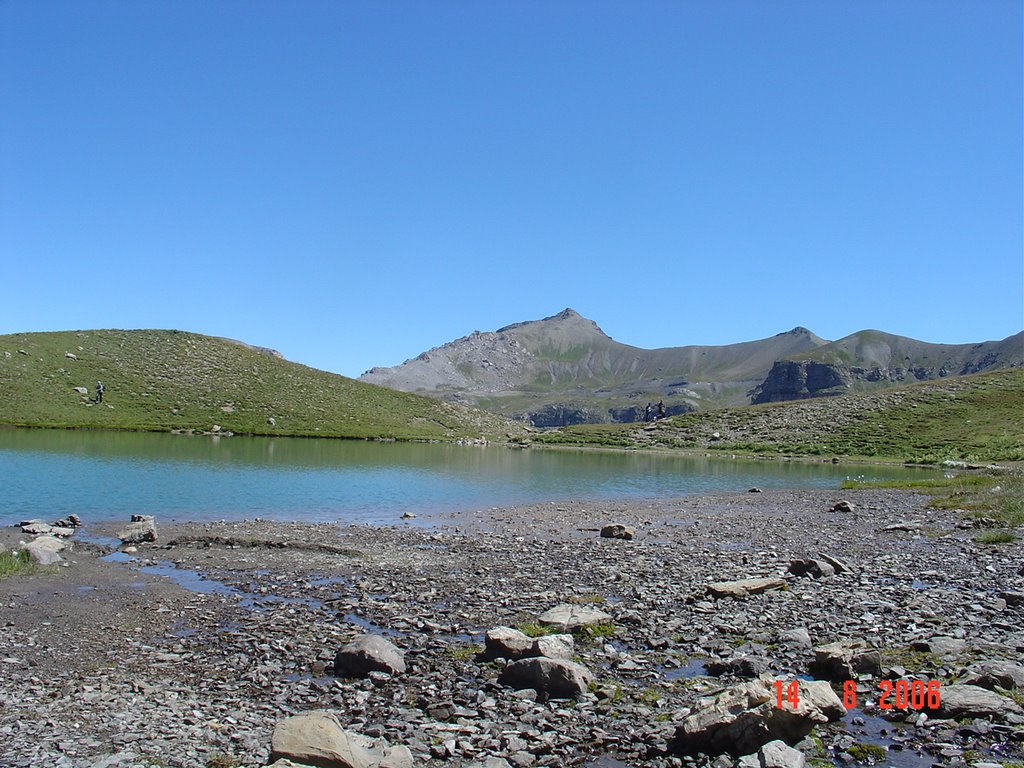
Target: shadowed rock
point(316, 738)
point(844, 659)
point(366, 654)
point(556, 678)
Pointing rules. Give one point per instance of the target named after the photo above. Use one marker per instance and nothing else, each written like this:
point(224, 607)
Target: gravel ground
point(189, 653)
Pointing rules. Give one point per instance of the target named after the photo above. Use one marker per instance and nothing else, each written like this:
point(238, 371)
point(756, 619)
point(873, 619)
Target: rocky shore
point(200, 649)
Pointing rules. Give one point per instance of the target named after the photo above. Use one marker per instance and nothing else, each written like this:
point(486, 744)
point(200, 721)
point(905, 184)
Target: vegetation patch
point(12, 563)
point(867, 754)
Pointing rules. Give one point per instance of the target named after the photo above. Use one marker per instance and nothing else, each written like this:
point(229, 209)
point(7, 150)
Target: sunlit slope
point(165, 380)
point(978, 418)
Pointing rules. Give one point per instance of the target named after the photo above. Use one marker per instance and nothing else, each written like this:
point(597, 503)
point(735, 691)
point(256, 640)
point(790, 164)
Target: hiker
point(99, 391)
point(647, 412)
point(661, 409)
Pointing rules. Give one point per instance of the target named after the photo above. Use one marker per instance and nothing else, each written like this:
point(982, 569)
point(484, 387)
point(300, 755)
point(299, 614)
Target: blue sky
point(355, 182)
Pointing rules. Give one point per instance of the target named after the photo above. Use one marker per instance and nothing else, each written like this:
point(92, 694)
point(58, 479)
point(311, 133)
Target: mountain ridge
point(564, 369)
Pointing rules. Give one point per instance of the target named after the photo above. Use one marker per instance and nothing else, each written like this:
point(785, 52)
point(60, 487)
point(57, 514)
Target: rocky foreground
point(716, 631)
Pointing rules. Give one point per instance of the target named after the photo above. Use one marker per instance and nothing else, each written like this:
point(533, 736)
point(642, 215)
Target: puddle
point(369, 626)
point(117, 557)
point(605, 761)
point(878, 731)
point(692, 668)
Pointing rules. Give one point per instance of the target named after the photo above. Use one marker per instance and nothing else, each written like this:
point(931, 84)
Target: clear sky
point(354, 182)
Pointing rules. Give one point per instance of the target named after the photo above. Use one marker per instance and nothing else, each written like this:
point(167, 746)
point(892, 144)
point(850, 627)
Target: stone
point(82, 390)
point(941, 646)
point(45, 549)
point(960, 700)
point(817, 569)
point(838, 565)
point(142, 528)
point(1014, 598)
point(798, 637)
point(554, 646)
point(774, 754)
point(569, 617)
point(744, 587)
point(754, 490)
point(557, 678)
point(844, 660)
point(491, 762)
point(617, 531)
point(1008, 675)
point(910, 526)
point(742, 719)
point(70, 355)
point(507, 643)
point(842, 506)
point(68, 521)
point(369, 653)
point(317, 738)
point(739, 666)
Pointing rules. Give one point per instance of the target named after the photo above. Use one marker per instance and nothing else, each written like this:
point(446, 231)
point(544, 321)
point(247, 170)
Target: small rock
point(842, 506)
point(569, 616)
point(774, 754)
point(844, 659)
point(617, 531)
point(744, 587)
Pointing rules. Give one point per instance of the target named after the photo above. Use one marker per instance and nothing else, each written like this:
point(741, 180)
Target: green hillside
point(173, 380)
point(973, 418)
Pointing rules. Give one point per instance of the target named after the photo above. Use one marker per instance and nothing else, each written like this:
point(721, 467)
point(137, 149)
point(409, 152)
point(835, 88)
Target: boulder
point(744, 587)
point(317, 738)
point(45, 549)
point(554, 647)
point(739, 666)
point(68, 521)
point(798, 637)
point(617, 531)
point(82, 390)
point(742, 719)
point(844, 659)
point(557, 678)
point(774, 754)
point(816, 569)
point(366, 654)
point(507, 643)
point(940, 646)
point(960, 700)
point(569, 617)
point(1008, 675)
point(842, 506)
point(839, 566)
point(1014, 598)
point(141, 528)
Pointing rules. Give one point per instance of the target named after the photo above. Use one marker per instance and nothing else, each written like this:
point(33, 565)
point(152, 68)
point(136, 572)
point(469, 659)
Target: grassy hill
point(973, 418)
point(173, 380)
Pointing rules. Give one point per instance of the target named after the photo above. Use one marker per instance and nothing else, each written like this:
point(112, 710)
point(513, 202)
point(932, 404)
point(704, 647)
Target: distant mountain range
point(565, 370)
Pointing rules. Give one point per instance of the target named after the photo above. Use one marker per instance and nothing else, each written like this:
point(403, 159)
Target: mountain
point(868, 359)
point(173, 380)
point(564, 369)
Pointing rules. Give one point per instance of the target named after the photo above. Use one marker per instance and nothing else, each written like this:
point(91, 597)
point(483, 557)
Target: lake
point(104, 475)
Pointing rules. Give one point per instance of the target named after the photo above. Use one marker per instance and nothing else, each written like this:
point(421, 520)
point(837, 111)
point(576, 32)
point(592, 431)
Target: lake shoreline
point(118, 659)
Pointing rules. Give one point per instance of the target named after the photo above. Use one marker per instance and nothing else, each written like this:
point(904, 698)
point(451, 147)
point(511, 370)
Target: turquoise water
point(103, 475)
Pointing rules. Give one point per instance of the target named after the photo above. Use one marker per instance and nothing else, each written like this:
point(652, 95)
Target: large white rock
point(507, 643)
point(44, 550)
point(744, 587)
point(774, 754)
point(745, 717)
point(317, 738)
point(569, 616)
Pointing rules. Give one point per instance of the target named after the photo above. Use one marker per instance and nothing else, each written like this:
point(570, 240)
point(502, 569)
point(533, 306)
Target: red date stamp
point(892, 694)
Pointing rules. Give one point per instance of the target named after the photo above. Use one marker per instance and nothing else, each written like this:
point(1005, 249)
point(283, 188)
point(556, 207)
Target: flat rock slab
point(989, 674)
point(570, 617)
point(744, 587)
point(317, 738)
point(959, 700)
point(618, 531)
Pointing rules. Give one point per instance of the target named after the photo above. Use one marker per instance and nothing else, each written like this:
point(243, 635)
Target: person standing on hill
point(661, 410)
point(100, 389)
point(647, 412)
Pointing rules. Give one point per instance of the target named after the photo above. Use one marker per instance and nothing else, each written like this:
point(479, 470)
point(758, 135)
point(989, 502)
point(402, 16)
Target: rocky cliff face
point(868, 358)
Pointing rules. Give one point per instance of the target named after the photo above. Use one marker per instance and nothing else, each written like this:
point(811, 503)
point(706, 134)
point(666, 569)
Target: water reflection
point(50, 473)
